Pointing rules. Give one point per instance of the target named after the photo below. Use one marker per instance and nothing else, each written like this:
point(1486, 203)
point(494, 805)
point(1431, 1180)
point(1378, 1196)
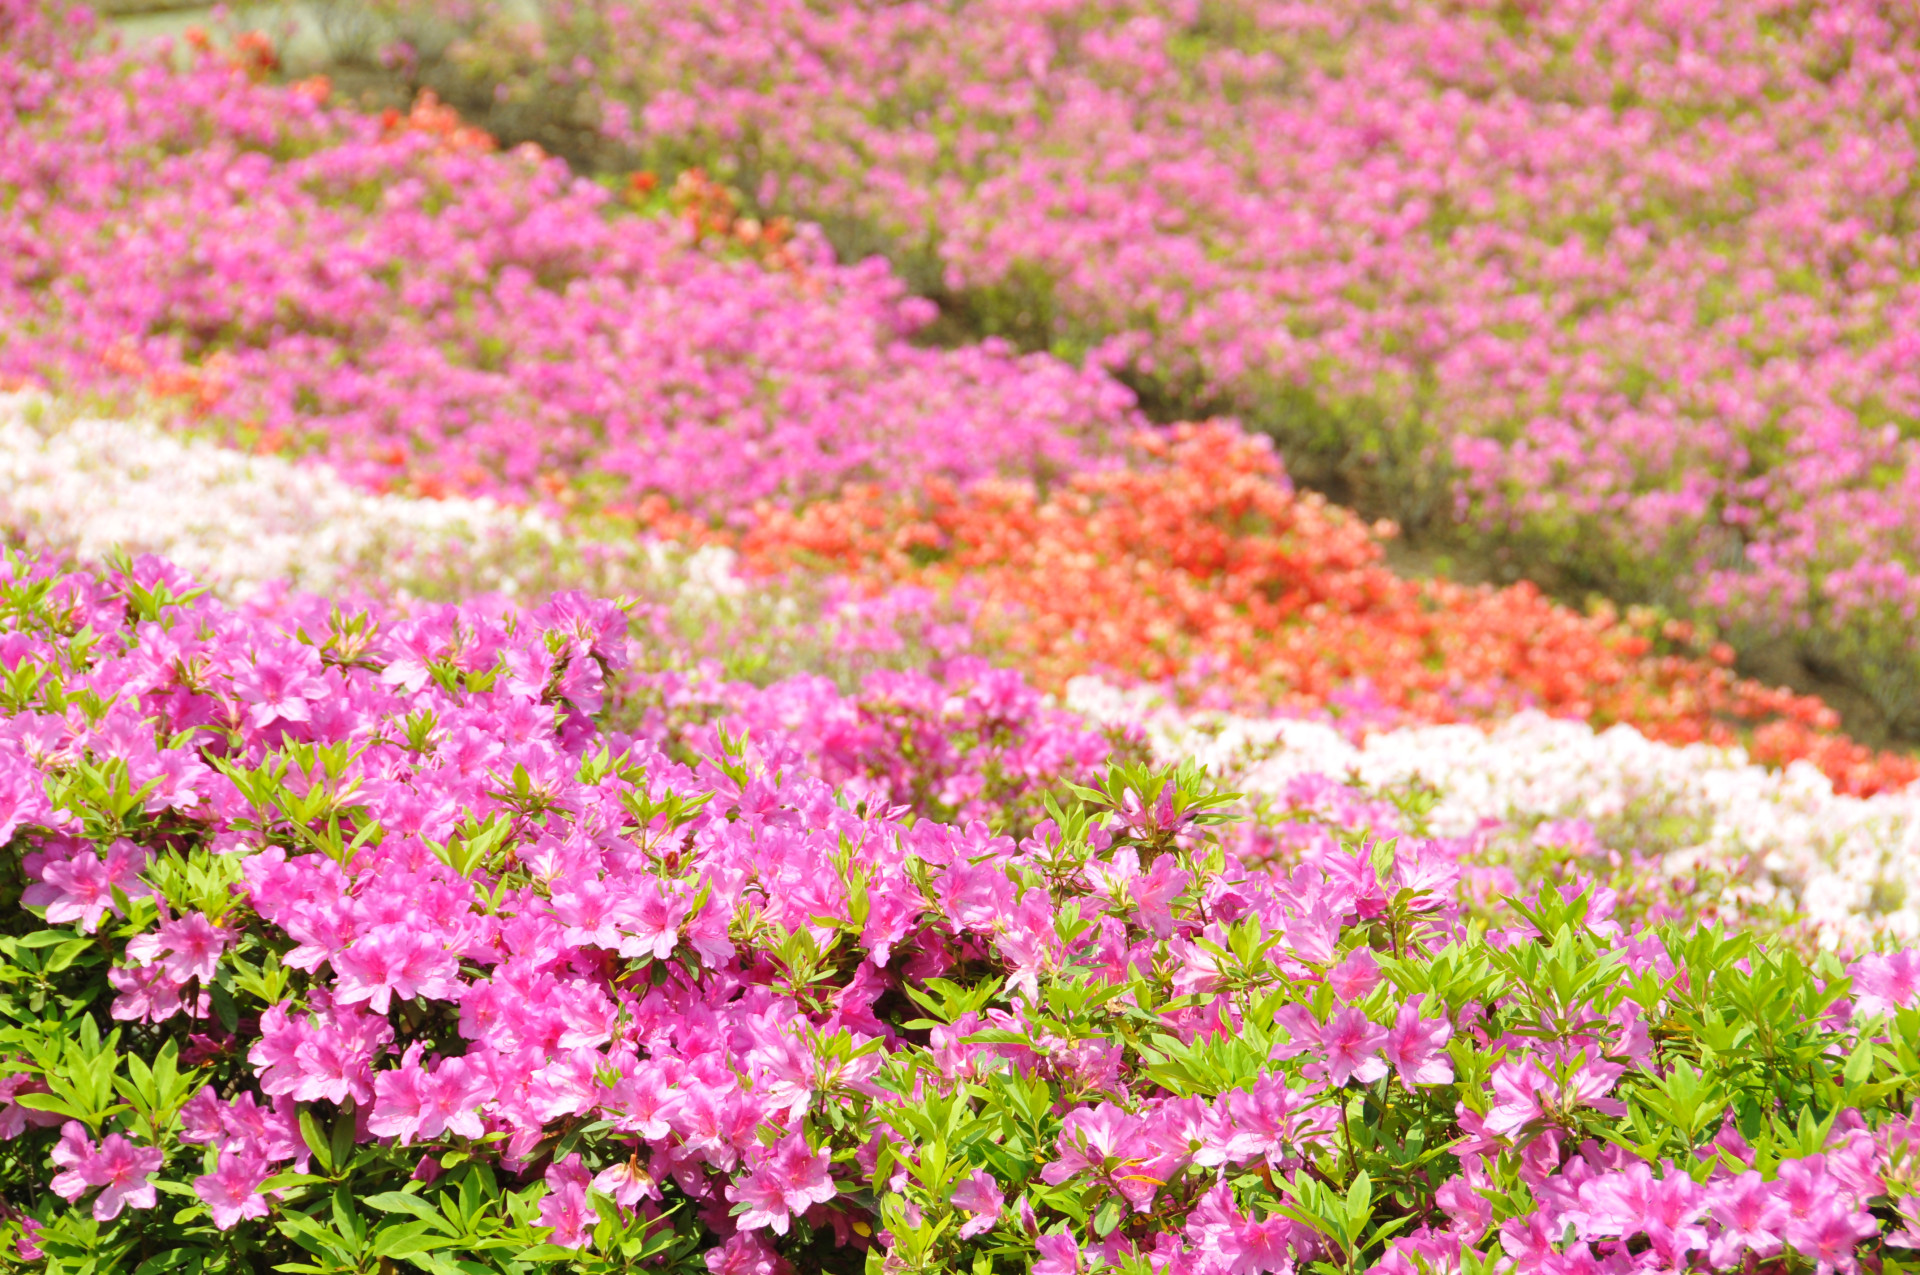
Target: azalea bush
point(1766, 844)
point(1631, 282)
point(453, 943)
point(83, 483)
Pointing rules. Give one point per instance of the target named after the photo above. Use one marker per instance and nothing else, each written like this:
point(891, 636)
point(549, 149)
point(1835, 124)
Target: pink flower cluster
point(1815, 1206)
point(397, 924)
point(471, 882)
point(966, 744)
point(324, 909)
point(435, 317)
point(118, 1168)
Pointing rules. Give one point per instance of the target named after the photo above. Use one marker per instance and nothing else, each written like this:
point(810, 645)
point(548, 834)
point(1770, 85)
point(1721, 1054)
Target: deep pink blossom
point(396, 961)
point(980, 1196)
point(565, 1207)
point(1355, 976)
point(232, 1191)
point(1349, 1048)
point(784, 1179)
point(188, 948)
point(1750, 1218)
point(1416, 1047)
point(121, 1170)
point(79, 887)
point(1885, 983)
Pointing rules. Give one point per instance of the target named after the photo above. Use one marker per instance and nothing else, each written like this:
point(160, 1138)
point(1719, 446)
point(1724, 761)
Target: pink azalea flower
point(1059, 1254)
point(147, 994)
point(1469, 1212)
point(589, 911)
point(1028, 940)
point(28, 1245)
point(81, 888)
point(119, 1168)
point(400, 1102)
point(651, 916)
point(1830, 1234)
point(627, 1183)
point(787, 1178)
point(1883, 984)
point(396, 960)
point(1355, 976)
point(979, 1194)
point(281, 683)
point(1751, 1218)
point(1266, 1121)
point(1516, 1097)
point(1415, 1047)
point(1350, 1047)
point(455, 1092)
point(975, 895)
point(1091, 1136)
point(200, 1118)
point(273, 1131)
point(1259, 1246)
point(1148, 895)
point(643, 1102)
point(322, 929)
point(14, 1118)
point(747, 1253)
point(232, 1191)
point(1633, 1201)
point(74, 1154)
point(569, 1085)
point(23, 794)
point(188, 948)
point(324, 1056)
point(565, 1207)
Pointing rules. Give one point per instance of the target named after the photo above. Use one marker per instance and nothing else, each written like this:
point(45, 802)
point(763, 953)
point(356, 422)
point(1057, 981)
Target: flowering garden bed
point(1630, 287)
point(343, 946)
point(650, 769)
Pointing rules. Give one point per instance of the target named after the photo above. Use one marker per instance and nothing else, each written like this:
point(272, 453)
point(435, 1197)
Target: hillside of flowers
point(1628, 287)
point(433, 317)
point(545, 726)
point(461, 942)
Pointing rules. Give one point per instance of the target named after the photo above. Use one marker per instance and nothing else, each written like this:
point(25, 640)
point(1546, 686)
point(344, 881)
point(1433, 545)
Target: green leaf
point(546, 1253)
point(1359, 1204)
point(408, 1238)
point(343, 1129)
point(1860, 1064)
point(288, 1181)
point(66, 954)
point(47, 1102)
point(402, 1202)
point(168, 1260)
point(224, 1009)
point(316, 1142)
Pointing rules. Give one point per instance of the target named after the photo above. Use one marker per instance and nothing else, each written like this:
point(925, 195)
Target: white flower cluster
point(1850, 866)
point(86, 486)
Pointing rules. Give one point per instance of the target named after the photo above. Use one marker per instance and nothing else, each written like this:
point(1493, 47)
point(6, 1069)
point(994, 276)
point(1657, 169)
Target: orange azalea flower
point(1200, 563)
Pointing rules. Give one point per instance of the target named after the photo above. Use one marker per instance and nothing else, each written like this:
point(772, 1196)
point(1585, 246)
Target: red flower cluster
point(1200, 565)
